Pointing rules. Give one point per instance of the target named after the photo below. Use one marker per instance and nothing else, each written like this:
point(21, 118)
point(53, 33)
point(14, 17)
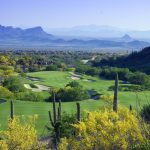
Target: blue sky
point(131, 14)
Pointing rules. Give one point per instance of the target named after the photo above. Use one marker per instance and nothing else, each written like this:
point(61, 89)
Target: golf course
point(60, 79)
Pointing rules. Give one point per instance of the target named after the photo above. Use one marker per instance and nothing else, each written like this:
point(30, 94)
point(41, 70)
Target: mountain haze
point(36, 36)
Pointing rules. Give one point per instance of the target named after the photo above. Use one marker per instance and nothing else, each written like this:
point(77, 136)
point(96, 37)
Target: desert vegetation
point(63, 102)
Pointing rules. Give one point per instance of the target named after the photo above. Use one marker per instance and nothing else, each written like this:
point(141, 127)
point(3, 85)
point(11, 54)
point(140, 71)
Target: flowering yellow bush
point(3, 145)
point(105, 130)
point(108, 99)
point(19, 136)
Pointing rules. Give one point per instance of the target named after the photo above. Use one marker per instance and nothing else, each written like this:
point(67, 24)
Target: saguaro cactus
point(11, 109)
point(78, 111)
point(56, 120)
point(115, 102)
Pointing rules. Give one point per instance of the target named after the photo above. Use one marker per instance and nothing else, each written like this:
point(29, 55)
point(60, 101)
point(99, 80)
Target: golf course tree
point(52, 67)
point(71, 92)
point(14, 84)
point(5, 93)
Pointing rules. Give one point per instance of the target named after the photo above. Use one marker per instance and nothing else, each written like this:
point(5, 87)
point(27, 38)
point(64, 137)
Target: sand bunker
point(74, 74)
point(85, 61)
point(74, 78)
point(39, 88)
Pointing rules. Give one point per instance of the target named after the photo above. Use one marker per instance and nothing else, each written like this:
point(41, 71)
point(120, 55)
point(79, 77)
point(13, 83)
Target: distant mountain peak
point(126, 36)
point(37, 36)
point(38, 28)
point(34, 33)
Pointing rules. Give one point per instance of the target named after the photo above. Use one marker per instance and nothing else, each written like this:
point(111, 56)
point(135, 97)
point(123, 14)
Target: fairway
point(41, 109)
point(60, 79)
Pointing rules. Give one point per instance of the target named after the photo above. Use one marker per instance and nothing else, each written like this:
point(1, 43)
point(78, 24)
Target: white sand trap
point(39, 88)
point(27, 86)
point(74, 78)
point(42, 87)
point(75, 75)
point(85, 61)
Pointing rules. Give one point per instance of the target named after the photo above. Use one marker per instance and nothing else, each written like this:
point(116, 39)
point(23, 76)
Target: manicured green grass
point(41, 109)
point(59, 79)
point(51, 78)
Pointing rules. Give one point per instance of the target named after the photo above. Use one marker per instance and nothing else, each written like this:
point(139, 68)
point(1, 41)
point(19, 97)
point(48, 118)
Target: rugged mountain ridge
point(36, 36)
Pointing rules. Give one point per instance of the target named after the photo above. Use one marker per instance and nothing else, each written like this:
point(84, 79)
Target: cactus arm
point(54, 108)
point(59, 110)
point(51, 120)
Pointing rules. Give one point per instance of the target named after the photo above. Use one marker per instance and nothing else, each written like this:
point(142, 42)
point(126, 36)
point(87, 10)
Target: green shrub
point(14, 84)
point(143, 146)
point(29, 96)
point(145, 113)
point(52, 68)
point(5, 93)
point(72, 92)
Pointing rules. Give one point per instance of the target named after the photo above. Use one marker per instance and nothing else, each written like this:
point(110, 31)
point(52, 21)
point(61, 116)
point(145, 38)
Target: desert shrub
point(70, 69)
point(14, 84)
point(73, 84)
point(105, 130)
point(110, 72)
point(52, 67)
point(66, 128)
point(20, 136)
point(140, 78)
point(145, 112)
point(29, 96)
point(72, 92)
point(34, 68)
point(66, 124)
point(5, 93)
point(143, 146)
point(92, 71)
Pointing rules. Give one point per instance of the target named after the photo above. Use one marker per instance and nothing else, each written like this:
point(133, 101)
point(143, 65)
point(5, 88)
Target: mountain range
point(99, 31)
point(36, 36)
